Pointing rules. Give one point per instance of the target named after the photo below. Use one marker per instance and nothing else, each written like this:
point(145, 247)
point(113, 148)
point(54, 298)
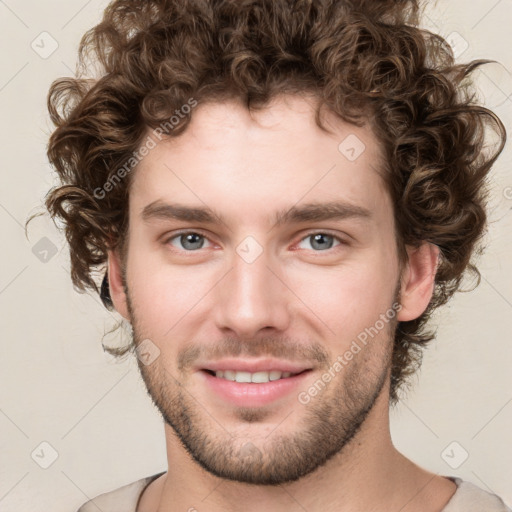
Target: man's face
point(294, 294)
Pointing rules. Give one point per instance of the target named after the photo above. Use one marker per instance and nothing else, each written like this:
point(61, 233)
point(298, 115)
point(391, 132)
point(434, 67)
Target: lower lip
point(247, 394)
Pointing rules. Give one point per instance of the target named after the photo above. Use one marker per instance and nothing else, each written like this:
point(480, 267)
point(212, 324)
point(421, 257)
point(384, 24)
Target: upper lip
point(253, 366)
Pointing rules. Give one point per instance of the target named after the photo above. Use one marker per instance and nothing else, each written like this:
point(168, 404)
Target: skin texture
point(299, 300)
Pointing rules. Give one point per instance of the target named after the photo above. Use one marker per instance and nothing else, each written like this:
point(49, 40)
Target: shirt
point(467, 498)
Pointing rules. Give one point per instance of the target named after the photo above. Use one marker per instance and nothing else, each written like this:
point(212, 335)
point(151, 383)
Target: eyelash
point(308, 235)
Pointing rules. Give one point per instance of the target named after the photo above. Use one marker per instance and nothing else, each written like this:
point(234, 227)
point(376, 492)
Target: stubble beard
point(330, 420)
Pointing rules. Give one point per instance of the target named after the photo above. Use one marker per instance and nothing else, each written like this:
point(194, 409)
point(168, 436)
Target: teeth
point(257, 377)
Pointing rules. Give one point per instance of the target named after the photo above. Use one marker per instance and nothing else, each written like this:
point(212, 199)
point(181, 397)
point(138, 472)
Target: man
point(281, 193)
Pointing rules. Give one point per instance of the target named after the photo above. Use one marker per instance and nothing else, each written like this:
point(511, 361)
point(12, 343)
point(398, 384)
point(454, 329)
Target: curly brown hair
point(365, 60)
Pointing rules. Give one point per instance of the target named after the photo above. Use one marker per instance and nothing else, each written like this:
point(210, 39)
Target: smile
point(256, 377)
point(246, 389)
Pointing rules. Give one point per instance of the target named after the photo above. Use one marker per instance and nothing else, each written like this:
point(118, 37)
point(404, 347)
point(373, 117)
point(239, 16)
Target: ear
point(115, 283)
point(417, 283)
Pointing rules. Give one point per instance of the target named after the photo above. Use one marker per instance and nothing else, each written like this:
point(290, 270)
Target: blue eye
point(322, 241)
point(190, 241)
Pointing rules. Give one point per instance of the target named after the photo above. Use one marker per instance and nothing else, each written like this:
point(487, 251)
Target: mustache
point(279, 348)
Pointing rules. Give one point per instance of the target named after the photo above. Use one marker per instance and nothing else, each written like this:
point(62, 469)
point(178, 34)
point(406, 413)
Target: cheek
point(345, 298)
point(349, 298)
point(163, 294)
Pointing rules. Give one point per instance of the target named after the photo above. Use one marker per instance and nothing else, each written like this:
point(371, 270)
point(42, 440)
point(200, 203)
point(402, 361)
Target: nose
point(252, 297)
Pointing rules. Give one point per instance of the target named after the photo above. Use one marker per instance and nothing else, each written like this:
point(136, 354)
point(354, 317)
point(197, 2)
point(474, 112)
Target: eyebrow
point(309, 212)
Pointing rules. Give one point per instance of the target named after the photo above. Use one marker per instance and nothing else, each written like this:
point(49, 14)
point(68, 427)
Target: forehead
point(288, 121)
point(246, 163)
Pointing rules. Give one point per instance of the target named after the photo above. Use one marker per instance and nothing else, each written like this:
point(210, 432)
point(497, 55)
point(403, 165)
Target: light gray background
point(59, 387)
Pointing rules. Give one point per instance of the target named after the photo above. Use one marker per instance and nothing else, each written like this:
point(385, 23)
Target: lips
point(252, 383)
point(252, 394)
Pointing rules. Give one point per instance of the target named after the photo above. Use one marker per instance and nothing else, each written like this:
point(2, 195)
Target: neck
point(368, 474)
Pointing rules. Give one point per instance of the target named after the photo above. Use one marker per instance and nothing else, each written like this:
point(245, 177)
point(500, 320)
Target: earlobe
point(115, 283)
point(418, 278)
